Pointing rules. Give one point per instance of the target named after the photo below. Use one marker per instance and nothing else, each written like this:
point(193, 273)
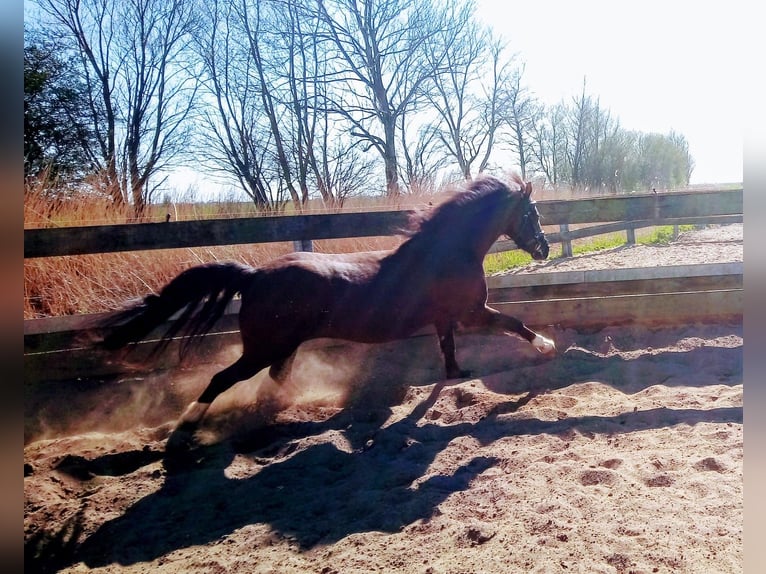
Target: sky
point(655, 65)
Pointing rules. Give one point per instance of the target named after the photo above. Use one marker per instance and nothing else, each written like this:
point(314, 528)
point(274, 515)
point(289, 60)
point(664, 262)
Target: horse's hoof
point(544, 345)
point(459, 374)
point(182, 439)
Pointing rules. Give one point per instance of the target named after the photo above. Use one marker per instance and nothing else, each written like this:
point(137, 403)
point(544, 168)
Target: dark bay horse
point(435, 277)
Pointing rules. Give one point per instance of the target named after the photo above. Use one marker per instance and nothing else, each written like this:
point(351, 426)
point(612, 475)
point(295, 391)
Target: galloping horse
point(435, 277)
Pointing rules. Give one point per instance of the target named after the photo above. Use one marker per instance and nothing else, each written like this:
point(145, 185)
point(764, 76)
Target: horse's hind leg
point(280, 370)
point(242, 369)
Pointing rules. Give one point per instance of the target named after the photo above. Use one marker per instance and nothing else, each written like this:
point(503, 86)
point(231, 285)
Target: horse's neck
point(447, 249)
point(483, 243)
point(487, 224)
point(485, 236)
point(467, 240)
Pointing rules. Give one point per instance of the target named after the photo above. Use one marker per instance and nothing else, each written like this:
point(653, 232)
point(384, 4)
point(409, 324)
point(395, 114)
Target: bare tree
point(141, 92)
point(423, 158)
point(380, 50)
point(549, 144)
point(326, 160)
point(590, 132)
point(501, 71)
point(267, 76)
point(466, 94)
point(255, 26)
point(520, 113)
point(578, 117)
point(304, 66)
point(599, 165)
point(236, 134)
point(587, 126)
point(344, 170)
point(684, 161)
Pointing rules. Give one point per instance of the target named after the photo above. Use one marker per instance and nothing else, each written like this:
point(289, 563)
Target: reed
point(80, 284)
point(55, 286)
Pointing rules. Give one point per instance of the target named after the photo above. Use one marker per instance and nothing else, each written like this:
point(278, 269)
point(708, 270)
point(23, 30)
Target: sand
point(622, 453)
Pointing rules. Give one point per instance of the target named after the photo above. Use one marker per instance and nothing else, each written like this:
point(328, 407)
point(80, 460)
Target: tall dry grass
point(81, 284)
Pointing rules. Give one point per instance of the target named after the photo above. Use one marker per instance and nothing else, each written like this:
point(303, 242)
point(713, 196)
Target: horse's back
point(303, 289)
point(308, 295)
point(313, 268)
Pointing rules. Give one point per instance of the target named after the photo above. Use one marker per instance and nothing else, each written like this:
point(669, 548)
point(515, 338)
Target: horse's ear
point(528, 189)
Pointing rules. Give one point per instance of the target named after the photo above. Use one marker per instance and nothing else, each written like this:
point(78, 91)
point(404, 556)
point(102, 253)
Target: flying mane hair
point(426, 221)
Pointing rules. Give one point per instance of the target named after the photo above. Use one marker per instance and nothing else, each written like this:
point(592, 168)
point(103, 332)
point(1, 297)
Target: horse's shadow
point(378, 479)
point(320, 494)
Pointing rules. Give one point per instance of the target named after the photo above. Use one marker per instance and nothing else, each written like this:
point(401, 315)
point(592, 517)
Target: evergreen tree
point(57, 136)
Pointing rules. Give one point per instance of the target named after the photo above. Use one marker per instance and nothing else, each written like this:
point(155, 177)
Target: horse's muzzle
point(540, 251)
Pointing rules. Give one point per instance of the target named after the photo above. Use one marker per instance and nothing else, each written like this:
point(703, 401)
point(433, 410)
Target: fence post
point(631, 233)
point(566, 243)
point(303, 245)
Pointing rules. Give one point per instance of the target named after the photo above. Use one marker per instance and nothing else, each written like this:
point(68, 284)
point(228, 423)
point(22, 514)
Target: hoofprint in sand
point(623, 453)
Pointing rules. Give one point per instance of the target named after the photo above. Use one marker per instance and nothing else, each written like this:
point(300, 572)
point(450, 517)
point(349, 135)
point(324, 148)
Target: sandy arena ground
point(622, 453)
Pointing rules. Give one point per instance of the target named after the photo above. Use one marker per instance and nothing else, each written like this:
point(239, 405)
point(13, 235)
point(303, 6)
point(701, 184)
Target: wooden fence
point(54, 350)
point(622, 212)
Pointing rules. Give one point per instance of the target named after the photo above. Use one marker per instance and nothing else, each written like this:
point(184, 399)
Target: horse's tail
point(203, 292)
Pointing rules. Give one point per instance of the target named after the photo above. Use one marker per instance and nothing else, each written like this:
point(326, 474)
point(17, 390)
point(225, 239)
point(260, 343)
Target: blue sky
point(656, 65)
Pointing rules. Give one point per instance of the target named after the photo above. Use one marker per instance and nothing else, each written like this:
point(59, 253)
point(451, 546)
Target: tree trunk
point(389, 157)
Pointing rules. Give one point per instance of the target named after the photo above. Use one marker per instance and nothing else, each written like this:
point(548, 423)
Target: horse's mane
point(485, 189)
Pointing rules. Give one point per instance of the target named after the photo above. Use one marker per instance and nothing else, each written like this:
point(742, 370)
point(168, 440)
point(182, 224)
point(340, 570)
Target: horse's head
point(523, 225)
point(472, 219)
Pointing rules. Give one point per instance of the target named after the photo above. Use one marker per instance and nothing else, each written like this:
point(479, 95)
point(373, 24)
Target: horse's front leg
point(490, 318)
point(446, 333)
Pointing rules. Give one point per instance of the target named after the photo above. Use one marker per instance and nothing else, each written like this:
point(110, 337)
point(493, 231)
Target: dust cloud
point(325, 375)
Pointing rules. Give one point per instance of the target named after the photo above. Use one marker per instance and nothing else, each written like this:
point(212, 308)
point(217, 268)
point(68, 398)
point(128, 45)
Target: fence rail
point(651, 208)
point(54, 348)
